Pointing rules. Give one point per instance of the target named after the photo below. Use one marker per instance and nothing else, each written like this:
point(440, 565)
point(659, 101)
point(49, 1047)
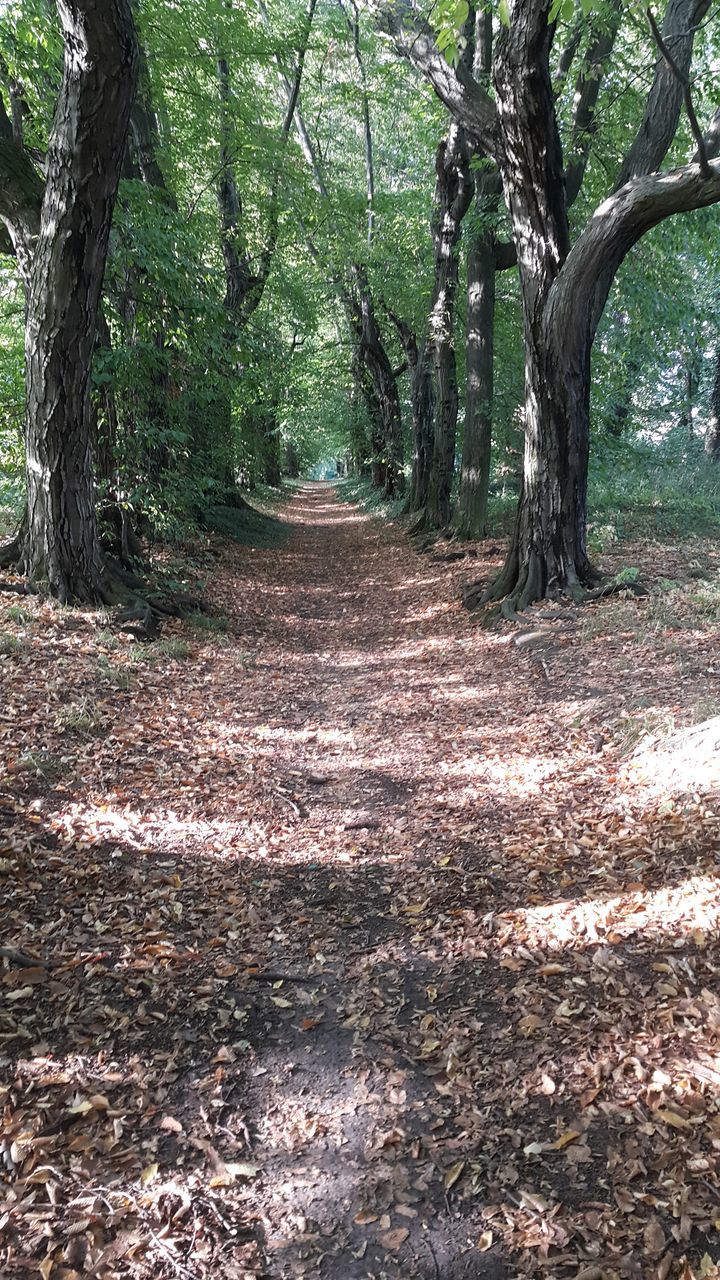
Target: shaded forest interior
point(359, 614)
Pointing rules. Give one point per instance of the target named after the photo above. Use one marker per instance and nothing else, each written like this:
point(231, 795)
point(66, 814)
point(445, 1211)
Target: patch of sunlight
point(161, 831)
point(518, 775)
point(686, 761)
point(333, 737)
point(426, 615)
point(690, 909)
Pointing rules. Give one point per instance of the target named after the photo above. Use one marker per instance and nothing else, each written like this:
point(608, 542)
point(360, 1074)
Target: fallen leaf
point(453, 1174)
point(170, 1125)
point(391, 1240)
point(672, 1118)
point(653, 1238)
point(570, 1135)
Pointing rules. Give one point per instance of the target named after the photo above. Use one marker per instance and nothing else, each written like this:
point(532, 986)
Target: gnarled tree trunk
point(563, 291)
point(63, 268)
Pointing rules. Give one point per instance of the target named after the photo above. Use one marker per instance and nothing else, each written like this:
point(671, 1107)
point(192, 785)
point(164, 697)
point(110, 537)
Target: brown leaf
point(392, 1240)
point(653, 1238)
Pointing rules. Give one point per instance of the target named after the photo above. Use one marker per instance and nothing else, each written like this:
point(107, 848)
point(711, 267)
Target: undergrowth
point(363, 493)
point(246, 525)
point(655, 491)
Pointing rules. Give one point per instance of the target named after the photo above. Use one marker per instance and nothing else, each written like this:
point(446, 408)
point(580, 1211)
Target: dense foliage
point(198, 394)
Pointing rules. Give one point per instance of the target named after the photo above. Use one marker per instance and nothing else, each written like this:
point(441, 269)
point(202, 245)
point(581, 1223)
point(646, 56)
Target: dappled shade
point(339, 941)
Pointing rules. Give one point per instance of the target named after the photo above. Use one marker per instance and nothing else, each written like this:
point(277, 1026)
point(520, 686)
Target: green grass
point(171, 648)
point(17, 614)
point(106, 639)
point(79, 717)
point(10, 645)
point(118, 677)
point(217, 623)
point(246, 525)
point(361, 491)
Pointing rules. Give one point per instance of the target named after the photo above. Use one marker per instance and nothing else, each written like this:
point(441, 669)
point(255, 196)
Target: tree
point(564, 286)
point(712, 431)
point(454, 192)
point(60, 231)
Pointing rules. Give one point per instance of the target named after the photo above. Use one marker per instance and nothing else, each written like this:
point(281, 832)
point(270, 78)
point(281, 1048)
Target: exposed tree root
point(141, 607)
point(418, 524)
point(517, 587)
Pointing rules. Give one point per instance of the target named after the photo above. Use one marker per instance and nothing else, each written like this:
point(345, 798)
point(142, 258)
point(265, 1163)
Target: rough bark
point(689, 384)
point(63, 261)
point(376, 378)
point(466, 100)
point(422, 401)
point(292, 461)
point(453, 193)
point(471, 515)
point(563, 292)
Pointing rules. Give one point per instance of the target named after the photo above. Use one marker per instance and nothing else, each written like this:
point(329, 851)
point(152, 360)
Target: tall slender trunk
point(453, 193)
point(61, 544)
point(689, 383)
point(471, 514)
point(375, 379)
point(422, 400)
point(712, 431)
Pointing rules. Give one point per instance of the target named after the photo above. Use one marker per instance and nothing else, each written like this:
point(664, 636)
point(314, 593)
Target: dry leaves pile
point(346, 943)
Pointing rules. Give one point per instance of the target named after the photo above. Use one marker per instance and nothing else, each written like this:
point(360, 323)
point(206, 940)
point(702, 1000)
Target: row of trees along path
point(505, 145)
point(344, 947)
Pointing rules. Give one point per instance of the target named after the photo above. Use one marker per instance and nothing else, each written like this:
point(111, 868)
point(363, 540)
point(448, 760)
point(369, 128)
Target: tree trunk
point(422, 395)
point(712, 432)
point(689, 382)
point(471, 515)
point(422, 402)
point(292, 461)
point(563, 292)
point(385, 393)
point(454, 190)
point(61, 544)
point(270, 432)
point(377, 386)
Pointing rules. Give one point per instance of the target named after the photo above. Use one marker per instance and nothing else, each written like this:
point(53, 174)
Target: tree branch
point(665, 98)
point(687, 97)
point(456, 87)
point(587, 92)
point(579, 294)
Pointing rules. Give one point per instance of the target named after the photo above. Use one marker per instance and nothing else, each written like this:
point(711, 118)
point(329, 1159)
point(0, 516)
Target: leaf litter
point(347, 944)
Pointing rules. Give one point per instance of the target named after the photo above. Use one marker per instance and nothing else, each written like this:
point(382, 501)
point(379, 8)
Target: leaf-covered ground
point(350, 941)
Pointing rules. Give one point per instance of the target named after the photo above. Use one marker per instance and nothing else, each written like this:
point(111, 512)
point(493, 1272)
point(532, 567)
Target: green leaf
point(504, 12)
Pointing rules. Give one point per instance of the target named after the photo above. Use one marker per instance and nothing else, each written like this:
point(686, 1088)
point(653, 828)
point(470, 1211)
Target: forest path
point(361, 956)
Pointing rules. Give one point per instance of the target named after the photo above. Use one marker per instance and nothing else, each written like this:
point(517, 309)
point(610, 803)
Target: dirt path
point(360, 956)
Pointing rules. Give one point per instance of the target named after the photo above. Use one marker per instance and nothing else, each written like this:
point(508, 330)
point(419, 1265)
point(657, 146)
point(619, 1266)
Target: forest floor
point(355, 940)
